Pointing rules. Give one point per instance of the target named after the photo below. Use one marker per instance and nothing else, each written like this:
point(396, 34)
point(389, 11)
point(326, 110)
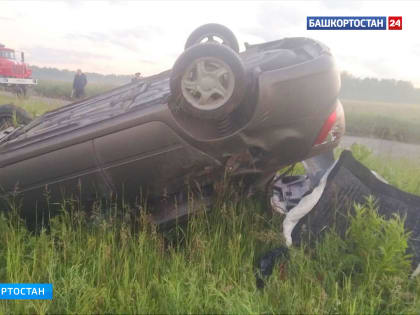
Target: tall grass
point(49, 95)
point(35, 106)
point(111, 263)
point(62, 90)
point(403, 173)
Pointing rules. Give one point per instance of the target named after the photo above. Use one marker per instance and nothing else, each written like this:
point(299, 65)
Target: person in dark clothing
point(79, 84)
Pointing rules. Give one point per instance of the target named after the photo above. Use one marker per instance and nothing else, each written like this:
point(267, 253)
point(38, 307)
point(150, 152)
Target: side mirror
point(22, 56)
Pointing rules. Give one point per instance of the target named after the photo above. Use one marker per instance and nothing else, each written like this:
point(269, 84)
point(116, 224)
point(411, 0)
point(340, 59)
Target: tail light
point(333, 128)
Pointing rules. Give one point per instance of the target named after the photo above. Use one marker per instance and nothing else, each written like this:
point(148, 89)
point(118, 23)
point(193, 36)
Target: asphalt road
point(384, 148)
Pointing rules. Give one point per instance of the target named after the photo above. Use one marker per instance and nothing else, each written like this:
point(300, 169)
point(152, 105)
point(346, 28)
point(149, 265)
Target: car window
point(7, 54)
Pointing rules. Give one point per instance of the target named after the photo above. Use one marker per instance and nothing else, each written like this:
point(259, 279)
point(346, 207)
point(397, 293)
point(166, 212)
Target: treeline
point(373, 89)
point(365, 89)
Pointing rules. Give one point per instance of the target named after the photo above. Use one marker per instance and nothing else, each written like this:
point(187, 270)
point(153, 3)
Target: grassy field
point(62, 90)
point(389, 121)
point(48, 95)
point(116, 265)
point(34, 105)
point(105, 262)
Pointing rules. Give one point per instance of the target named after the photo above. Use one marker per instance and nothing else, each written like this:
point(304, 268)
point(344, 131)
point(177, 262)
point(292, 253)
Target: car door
point(69, 173)
point(148, 158)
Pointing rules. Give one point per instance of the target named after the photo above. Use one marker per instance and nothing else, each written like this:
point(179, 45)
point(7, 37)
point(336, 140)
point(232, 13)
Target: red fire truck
point(15, 75)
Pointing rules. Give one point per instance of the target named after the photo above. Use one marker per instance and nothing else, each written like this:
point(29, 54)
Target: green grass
point(49, 95)
point(389, 121)
point(402, 173)
point(35, 106)
point(62, 90)
point(116, 265)
point(112, 264)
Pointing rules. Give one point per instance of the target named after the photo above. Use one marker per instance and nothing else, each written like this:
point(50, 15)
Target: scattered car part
point(322, 198)
point(213, 33)
point(288, 191)
point(315, 167)
point(330, 203)
point(11, 115)
point(267, 262)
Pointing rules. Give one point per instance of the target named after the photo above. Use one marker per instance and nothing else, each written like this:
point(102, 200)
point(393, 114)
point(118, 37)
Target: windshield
point(7, 54)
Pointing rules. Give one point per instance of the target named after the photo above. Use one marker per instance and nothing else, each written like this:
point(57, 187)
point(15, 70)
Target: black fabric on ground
point(350, 182)
point(266, 264)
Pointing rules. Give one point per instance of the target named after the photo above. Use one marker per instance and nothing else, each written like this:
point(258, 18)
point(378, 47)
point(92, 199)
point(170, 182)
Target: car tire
point(10, 115)
point(211, 30)
point(208, 81)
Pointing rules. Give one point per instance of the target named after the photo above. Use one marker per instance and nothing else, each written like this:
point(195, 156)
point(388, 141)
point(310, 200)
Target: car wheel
point(11, 115)
point(208, 81)
point(213, 33)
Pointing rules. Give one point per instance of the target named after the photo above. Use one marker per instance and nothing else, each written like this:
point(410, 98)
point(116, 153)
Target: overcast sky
point(125, 37)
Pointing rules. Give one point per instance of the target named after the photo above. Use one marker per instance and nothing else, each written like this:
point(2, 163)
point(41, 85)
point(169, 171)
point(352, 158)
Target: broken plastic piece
point(267, 262)
point(306, 204)
point(331, 203)
point(288, 191)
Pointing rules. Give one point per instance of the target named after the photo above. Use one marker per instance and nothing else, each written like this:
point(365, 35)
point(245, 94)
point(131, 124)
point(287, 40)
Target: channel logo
point(353, 23)
point(395, 22)
point(26, 291)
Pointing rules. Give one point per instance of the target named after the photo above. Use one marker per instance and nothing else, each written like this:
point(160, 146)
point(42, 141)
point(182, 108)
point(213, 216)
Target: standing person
point(79, 84)
point(137, 76)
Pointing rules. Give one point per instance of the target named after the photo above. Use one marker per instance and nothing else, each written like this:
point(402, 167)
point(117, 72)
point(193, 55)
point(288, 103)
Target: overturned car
point(218, 110)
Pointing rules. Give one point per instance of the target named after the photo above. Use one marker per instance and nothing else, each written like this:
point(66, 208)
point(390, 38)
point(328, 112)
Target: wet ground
point(386, 148)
